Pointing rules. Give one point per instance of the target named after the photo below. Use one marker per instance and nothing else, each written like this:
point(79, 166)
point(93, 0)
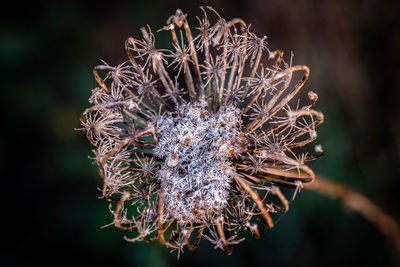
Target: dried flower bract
point(200, 140)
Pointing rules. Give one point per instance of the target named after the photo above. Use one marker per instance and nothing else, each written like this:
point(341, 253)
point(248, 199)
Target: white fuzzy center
point(196, 146)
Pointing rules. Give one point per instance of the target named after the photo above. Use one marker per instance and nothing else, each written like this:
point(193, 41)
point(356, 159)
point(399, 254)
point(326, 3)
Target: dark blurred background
point(52, 213)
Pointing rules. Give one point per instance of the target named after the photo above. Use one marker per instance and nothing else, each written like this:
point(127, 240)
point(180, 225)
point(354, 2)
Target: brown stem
point(256, 95)
point(276, 191)
point(196, 243)
point(254, 230)
point(220, 229)
point(357, 202)
point(255, 125)
point(193, 54)
point(161, 228)
point(217, 39)
point(99, 80)
point(128, 140)
point(222, 82)
point(230, 83)
point(118, 222)
point(186, 69)
point(256, 198)
point(253, 72)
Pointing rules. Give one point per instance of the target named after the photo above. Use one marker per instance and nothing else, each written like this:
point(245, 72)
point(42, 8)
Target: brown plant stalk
point(361, 204)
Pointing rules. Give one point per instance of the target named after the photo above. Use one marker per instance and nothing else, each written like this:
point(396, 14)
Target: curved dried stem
point(275, 69)
point(117, 220)
point(295, 164)
point(186, 69)
point(193, 54)
point(243, 57)
point(221, 33)
point(256, 198)
point(128, 140)
point(218, 222)
point(254, 125)
point(161, 228)
point(138, 68)
point(126, 103)
point(359, 203)
point(99, 80)
point(197, 242)
point(276, 191)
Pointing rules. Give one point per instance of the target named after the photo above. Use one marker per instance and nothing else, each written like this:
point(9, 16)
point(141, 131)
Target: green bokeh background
point(52, 213)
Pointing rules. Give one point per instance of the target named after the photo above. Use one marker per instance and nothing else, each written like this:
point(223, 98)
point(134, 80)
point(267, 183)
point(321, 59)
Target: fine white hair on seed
point(196, 146)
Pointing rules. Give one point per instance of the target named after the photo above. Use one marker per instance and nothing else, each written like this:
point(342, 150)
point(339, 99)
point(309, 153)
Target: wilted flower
point(199, 141)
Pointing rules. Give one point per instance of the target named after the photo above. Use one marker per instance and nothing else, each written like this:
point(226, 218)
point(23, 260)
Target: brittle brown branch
point(126, 103)
point(234, 66)
point(299, 166)
point(287, 178)
point(128, 42)
point(310, 129)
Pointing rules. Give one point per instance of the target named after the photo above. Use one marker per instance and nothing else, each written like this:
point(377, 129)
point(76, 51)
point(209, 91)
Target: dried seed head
point(208, 146)
point(197, 147)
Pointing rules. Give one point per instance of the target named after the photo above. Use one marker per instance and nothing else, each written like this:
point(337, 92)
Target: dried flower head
point(200, 141)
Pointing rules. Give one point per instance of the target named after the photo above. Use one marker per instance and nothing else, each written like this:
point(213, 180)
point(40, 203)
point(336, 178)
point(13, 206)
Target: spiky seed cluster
point(196, 146)
point(192, 142)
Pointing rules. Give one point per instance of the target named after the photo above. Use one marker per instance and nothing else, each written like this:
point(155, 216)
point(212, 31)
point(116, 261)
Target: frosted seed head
point(313, 134)
point(196, 146)
point(312, 96)
point(172, 160)
point(319, 149)
point(291, 117)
